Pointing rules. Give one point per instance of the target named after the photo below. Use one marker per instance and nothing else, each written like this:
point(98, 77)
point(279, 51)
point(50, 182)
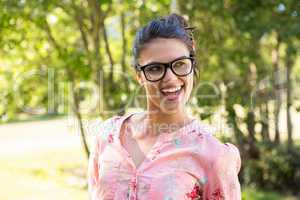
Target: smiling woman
point(167, 78)
point(163, 152)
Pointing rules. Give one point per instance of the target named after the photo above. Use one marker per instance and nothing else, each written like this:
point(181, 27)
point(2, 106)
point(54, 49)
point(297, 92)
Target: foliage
point(277, 169)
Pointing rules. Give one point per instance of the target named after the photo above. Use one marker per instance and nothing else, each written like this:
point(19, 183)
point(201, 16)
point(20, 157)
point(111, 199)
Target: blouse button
point(203, 180)
point(177, 142)
point(133, 183)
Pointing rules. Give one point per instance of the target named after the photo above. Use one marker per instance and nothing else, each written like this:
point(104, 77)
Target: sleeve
point(93, 176)
point(93, 169)
point(100, 133)
point(223, 183)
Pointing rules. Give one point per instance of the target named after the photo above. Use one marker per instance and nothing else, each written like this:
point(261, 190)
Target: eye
point(180, 63)
point(154, 68)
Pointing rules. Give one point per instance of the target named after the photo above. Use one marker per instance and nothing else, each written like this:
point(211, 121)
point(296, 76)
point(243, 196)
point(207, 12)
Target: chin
point(171, 108)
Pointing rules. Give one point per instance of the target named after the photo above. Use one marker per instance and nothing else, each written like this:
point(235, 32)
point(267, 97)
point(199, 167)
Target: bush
point(278, 168)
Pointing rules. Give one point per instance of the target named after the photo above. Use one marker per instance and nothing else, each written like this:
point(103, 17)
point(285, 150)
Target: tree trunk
point(124, 52)
point(264, 114)
point(250, 121)
point(277, 90)
point(109, 55)
point(71, 78)
point(76, 110)
point(79, 118)
point(238, 134)
point(289, 65)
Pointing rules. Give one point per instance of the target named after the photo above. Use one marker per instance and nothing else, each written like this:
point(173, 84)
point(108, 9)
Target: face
point(170, 94)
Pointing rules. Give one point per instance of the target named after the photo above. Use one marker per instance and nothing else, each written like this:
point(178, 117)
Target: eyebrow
point(155, 62)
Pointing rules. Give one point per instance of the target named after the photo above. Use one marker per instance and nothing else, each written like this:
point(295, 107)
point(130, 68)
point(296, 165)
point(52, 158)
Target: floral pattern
point(110, 138)
point(193, 150)
point(217, 195)
point(196, 193)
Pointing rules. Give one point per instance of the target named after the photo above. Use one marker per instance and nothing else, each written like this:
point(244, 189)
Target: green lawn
point(41, 160)
point(250, 193)
point(55, 175)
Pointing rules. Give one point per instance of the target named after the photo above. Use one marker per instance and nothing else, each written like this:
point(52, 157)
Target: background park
point(66, 65)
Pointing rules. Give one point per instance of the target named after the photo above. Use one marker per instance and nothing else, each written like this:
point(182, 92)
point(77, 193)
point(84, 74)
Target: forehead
point(162, 50)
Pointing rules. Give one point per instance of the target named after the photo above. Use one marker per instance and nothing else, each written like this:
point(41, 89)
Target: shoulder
point(226, 156)
point(104, 133)
point(203, 128)
point(218, 153)
point(234, 154)
point(99, 131)
point(109, 127)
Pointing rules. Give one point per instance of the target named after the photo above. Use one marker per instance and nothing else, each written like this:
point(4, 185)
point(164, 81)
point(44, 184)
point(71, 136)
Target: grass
point(53, 175)
point(252, 193)
point(31, 118)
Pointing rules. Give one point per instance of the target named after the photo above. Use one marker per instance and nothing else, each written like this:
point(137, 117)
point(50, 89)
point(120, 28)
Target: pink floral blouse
point(188, 164)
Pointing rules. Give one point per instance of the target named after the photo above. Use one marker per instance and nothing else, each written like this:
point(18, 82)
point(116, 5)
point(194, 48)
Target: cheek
point(189, 86)
point(152, 90)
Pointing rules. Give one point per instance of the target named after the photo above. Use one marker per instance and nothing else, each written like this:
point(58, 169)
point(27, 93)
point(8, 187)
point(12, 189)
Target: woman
point(163, 153)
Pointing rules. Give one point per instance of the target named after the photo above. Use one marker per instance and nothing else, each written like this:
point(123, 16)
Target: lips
point(172, 93)
point(171, 89)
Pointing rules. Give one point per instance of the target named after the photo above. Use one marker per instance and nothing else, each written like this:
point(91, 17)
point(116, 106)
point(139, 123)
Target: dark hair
point(171, 26)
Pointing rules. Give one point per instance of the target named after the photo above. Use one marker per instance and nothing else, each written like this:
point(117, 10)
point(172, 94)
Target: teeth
point(175, 89)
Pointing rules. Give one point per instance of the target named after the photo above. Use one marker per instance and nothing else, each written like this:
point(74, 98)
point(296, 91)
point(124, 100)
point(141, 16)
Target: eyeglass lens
point(180, 68)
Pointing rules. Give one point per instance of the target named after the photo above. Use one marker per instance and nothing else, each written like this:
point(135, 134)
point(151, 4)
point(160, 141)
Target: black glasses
point(156, 71)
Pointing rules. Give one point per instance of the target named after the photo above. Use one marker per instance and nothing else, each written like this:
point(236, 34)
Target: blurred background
point(66, 65)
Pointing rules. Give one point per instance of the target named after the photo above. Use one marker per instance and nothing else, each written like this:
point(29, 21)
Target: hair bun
point(181, 21)
point(175, 18)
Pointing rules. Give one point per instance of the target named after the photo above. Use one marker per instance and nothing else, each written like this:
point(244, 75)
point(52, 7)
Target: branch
point(108, 51)
point(124, 42)
point(79, 19)
point(50, 36)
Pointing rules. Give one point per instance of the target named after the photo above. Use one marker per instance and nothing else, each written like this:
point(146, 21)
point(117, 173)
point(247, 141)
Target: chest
point(173, 174)
point(138, 149)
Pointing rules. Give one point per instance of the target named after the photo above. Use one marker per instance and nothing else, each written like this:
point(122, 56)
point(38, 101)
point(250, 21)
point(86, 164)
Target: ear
point(194, 45)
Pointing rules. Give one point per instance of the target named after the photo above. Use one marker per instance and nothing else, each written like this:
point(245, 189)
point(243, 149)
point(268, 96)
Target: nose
point(169, 75)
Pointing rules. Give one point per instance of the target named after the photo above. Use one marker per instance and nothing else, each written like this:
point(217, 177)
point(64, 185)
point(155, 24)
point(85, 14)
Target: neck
point(166, 121)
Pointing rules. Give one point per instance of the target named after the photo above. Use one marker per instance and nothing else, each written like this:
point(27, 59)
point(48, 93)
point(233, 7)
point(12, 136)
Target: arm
point(223, 180)
point(93, 170)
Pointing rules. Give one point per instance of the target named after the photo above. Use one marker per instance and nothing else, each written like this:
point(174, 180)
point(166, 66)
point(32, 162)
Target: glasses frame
point(166, 65)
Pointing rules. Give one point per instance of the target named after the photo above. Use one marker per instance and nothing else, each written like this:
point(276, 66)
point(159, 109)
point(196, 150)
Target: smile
point(172, 93)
